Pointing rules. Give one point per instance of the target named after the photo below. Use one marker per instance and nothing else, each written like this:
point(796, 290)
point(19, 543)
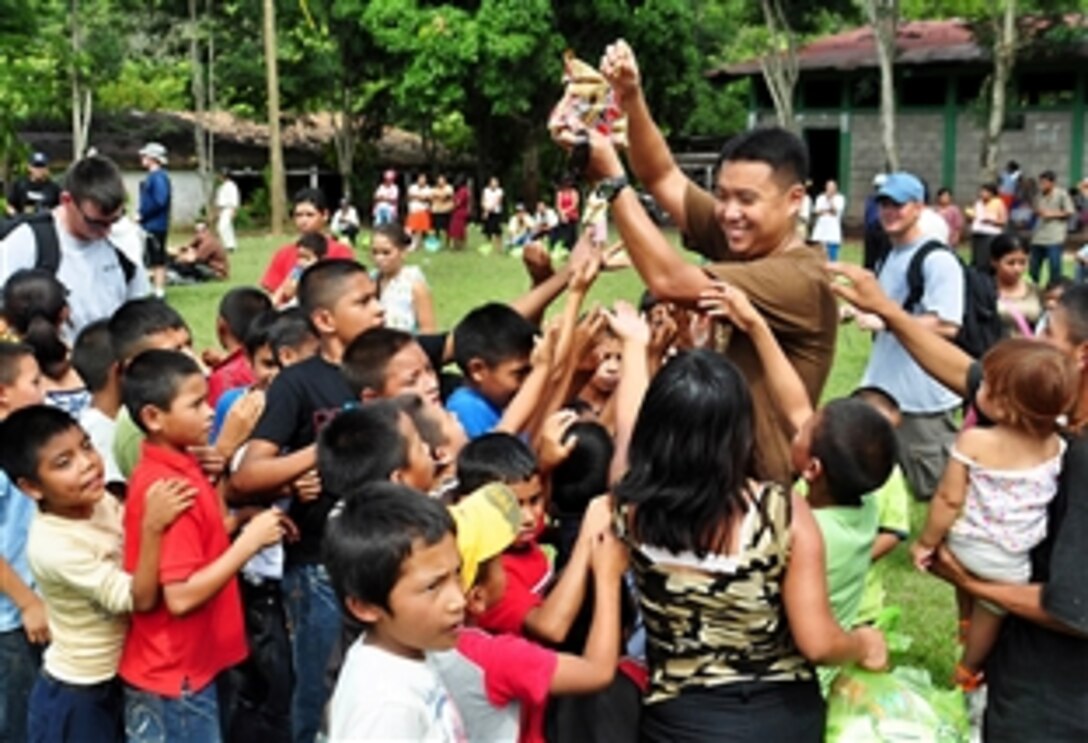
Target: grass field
point(460, 281)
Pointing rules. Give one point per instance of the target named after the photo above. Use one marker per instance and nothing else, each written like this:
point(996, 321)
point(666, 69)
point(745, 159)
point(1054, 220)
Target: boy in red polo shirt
point(174, 652)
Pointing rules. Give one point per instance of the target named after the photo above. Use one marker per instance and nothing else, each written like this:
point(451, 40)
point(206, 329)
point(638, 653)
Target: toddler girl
point(991, 503)
point(402, 290)
point(311, 248)
point(35, 308)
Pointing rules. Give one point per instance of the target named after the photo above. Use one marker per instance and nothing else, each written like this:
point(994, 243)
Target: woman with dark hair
point(989, 217)
point(462, 211)
point(1019, 302)
point(35, 308)
point(730, 571)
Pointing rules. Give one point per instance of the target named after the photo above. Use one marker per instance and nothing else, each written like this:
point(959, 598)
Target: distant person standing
point(155, 212)
point(988, 219)
point(1053, 207)
point(877, 243)
point(34, 192)
point(828, 230)
point(386, 199)
point(1009, 184)
point(952, 216)
point(462, 212)
point(227, 202)
point(491, 212)
point(442, 208)
point(418, 222)
point(566, 204)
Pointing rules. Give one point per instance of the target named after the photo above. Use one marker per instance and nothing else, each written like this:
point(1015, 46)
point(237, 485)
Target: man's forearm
point(647, 152)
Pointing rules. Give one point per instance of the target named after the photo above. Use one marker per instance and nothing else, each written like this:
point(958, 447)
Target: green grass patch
point(461, 281)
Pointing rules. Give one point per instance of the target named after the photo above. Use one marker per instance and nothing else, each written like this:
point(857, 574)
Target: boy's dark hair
point(1049, 175)
point(583, 475)
point(96, 179)
point(779, 148)
point(322, 283)
point(11, 353)
point(34, 304)
point(92, 355)
point(1075, 303)
point(259, 332)
point(313, 196)
point(493, 333)
point(395, 233)
point(290, 329)
point(879, 395)
point(361, 445)
point(366, 358)
point(138, 318)
point(154, 378)
point(494, 457)
point(314, 242)
point(240, 306)
point(24, 433)
point(856, 448)
point(370, 535)
point(1059, 282)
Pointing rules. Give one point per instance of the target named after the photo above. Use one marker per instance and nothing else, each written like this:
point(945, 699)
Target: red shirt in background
point(286, 258)
point(233, 371)
point(163, 652)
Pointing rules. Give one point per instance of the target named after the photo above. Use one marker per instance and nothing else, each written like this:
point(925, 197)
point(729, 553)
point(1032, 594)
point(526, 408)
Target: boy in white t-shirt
point(96, 363)
point(392, 559)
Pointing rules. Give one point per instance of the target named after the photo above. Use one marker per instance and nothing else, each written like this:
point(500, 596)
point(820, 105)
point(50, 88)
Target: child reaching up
point(991, 504)
point(402, 290)
point(312, 247)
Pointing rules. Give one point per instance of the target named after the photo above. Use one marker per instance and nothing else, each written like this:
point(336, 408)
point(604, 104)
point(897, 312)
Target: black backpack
point(48, 242)
point(981, 326)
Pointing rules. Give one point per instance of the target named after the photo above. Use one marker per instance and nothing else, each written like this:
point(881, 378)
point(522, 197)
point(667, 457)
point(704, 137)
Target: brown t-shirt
point(791, 290)
point(210, 252)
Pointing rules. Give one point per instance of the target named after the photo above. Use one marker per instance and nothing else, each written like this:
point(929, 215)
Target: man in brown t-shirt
point(747, 228)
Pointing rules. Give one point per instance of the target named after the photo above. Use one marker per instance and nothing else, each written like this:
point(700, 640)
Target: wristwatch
point(610, 188)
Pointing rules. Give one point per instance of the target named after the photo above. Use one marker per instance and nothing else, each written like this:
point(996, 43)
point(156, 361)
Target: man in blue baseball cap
point(928, 426)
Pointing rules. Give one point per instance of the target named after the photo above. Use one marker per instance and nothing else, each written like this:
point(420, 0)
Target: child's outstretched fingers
point(627, 323)
point(552, 448)
point(166, 500)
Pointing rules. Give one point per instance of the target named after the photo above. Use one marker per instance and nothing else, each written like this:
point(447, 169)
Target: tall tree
point(1003, 24)
point(779, 63)
point(277, 184)
point(884, 19)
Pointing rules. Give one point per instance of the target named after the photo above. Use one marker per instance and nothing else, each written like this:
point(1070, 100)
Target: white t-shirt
point(492, 200)
point(381, 696)
point(828, 228)
point(227, 196)
point(419, 198)
point(933, 225)
point(91, 271)
point(101, 428)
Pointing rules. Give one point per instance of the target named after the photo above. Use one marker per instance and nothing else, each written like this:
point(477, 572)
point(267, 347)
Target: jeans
point(70, 712)
point(264, 681)
point(19, 663)
point(1053, 255)
point(314, 616)
point(191, 718)
point(832, 251)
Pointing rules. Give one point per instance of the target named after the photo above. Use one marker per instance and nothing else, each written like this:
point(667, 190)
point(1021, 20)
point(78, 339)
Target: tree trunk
point(779, 64)
point(344, 139)
point(277, 185)
point(81, 97)
point(200, 99)
point(1004, 53)
point(211, 103)
point(884, 18)
point(530, 172)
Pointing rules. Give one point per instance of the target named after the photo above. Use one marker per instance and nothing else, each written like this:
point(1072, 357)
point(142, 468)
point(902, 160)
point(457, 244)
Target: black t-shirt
point(31, 197)
point(301, 400)
point(1038, 679)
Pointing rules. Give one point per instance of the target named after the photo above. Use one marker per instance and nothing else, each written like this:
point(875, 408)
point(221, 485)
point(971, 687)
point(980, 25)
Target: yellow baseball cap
point(487, 523)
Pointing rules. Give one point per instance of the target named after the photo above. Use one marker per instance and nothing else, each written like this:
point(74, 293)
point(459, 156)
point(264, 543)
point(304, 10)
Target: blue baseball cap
point(901, 188)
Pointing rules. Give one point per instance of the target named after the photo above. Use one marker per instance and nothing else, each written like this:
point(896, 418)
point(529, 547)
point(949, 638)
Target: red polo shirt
point(528, 576)
point(286, 258)
point(163, 651)
point(233, 371)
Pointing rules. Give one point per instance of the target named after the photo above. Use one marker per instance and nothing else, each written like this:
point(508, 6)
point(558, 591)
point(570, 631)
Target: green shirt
point(126, 443)
point(893, 506)
point(848, 533)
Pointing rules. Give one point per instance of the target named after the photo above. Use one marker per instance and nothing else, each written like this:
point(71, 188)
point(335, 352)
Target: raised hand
point(627, 323)
point(552, 448)
point(728, 302)
point(620, 68)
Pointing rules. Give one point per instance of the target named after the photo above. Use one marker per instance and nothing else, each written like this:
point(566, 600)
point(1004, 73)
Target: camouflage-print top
point(721, 619)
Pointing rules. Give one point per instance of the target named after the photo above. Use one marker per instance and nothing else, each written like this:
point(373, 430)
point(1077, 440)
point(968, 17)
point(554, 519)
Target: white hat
point(155, 151)
point(879, 180)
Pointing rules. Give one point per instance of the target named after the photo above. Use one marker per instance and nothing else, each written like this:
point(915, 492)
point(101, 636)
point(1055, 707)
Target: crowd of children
point(319, 531)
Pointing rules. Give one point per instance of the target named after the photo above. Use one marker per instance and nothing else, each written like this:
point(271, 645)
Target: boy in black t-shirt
point(341, 302)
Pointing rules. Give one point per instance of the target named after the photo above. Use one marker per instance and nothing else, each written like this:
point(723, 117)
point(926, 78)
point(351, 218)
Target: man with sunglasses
point(928, 427)
point(73, 240)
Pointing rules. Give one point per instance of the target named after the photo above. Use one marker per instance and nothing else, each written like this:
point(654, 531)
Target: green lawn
point(460, 281)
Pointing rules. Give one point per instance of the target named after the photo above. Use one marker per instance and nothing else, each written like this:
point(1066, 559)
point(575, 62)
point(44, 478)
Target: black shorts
point(155, 249)
point(493, 225)
point(441, 222)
